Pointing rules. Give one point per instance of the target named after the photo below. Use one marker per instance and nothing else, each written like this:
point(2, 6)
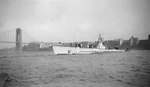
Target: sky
point(77, 20)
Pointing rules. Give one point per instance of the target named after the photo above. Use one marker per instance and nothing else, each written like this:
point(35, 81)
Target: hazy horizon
point(77, 20)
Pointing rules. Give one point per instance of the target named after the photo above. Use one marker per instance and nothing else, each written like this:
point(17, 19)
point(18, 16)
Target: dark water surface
point(44, 69)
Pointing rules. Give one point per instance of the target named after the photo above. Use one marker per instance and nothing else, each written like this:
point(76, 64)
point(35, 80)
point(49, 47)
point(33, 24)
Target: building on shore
point(40, 46)
point(111, 44)
point(31, 46)
point(144, 44)
point(133, 41)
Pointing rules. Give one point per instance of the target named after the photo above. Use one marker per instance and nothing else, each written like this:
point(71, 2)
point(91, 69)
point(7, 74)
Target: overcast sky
point(77, 20)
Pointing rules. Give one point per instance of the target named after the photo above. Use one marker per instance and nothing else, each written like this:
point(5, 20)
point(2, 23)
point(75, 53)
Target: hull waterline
point(59, 50)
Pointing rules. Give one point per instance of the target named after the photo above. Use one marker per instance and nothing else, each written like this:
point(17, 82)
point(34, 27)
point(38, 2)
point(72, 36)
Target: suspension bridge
point(15, 38)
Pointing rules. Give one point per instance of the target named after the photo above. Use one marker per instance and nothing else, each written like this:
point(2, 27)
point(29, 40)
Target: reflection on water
point(44, 69)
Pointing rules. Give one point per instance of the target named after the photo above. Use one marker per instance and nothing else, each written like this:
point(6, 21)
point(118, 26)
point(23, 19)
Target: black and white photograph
point(74, 43)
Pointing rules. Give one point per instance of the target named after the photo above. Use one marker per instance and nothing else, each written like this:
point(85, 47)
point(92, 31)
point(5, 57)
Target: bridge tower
point(18, 39)
point(149, 41)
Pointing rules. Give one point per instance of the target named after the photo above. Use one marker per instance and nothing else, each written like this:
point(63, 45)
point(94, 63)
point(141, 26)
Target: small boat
point(62, 50)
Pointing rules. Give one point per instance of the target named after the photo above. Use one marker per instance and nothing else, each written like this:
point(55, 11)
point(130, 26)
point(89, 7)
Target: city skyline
point(76, 20)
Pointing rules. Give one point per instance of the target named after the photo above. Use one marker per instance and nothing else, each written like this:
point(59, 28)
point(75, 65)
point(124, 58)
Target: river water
point(44, 69)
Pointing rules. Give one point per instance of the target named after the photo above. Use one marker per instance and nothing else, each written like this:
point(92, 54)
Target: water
point(44, 69)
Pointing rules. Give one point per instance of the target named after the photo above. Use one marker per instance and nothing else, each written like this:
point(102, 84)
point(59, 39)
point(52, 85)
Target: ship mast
point(100, 42)
point(100, 39)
